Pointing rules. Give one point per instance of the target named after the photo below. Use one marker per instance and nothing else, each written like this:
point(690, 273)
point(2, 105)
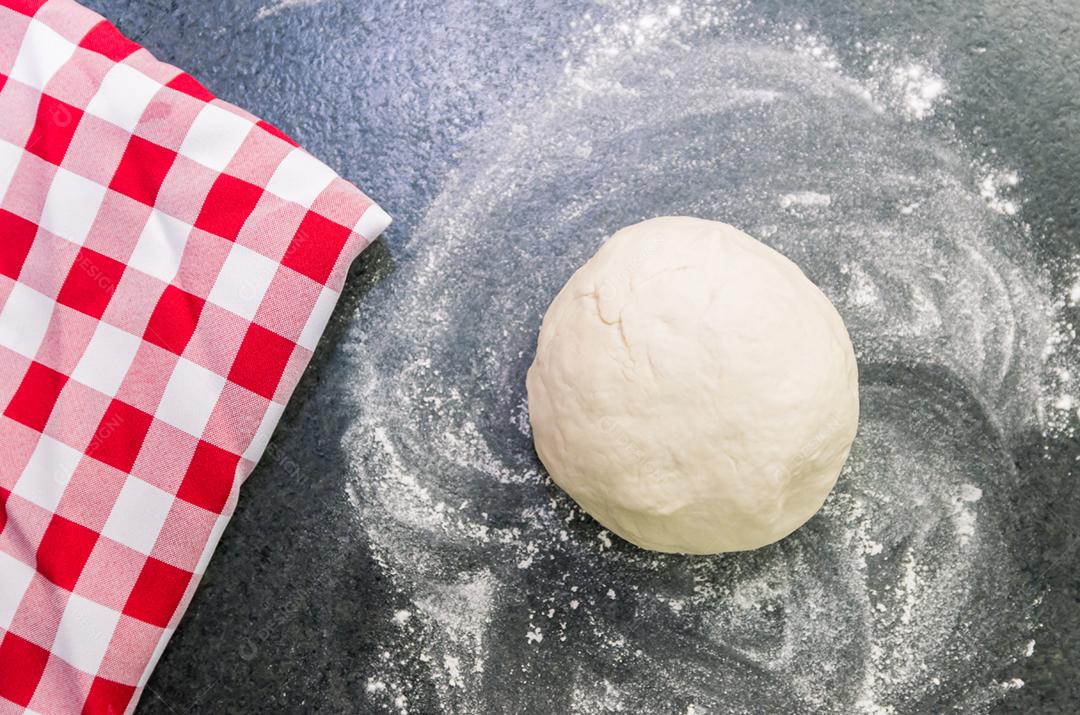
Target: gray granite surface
point(449, 114)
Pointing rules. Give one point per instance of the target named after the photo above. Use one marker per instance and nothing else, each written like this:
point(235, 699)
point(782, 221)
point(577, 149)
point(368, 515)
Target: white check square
point(17, 578)
point(46, 475)
point(123, 96)
point(242, 281)
point(86, 628)
point(71, 206)
point(106, 359)
point(161, 246)
point(138, 515)
point(372, 223)
point(24, 320)
point(300, 178)
point(215, 136)
point(190, 397)
point(43, 52)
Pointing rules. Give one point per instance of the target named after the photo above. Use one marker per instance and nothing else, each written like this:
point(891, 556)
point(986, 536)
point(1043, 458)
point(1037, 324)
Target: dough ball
point(692, 390)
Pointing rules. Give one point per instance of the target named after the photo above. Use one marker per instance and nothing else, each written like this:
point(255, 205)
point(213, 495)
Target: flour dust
point(901, 594)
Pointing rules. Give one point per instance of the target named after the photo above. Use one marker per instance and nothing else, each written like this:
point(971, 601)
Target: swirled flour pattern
point(513, 600)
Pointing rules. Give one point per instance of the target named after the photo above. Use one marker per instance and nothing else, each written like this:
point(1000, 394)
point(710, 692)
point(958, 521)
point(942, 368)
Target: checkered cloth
point(167, 265)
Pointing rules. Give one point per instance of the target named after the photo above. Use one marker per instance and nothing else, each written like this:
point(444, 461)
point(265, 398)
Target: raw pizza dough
point(692, 389)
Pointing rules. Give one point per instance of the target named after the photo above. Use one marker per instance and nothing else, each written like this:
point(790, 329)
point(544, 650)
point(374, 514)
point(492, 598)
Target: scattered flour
point(805, 198)
point(281, 6)
point(920, 88)
point(867, 609)
point(993, 187)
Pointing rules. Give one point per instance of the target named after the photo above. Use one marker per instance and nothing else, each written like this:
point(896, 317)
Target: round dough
point(692, 389)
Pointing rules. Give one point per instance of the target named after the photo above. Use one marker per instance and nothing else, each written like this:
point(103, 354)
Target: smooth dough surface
point(692, 390)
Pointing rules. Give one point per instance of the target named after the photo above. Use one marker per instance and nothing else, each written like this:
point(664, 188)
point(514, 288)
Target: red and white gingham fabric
point(167, 265)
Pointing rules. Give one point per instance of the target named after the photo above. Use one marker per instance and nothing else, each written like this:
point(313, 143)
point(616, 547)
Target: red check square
point(16, 236)
point(328, 235)
point(261, 361)
point(119, 436)
point(209, 478)
point(142, 170)
point(228, 206)
point(190, 86)
point(55, 125)
point(90, 282)
point(268, 127)
point(33, 401)
point(174, 319)
point(108, 697)
point(107, 40)
point(26, 7)
point(21, 666)
point(157, 593)
point(63, 551)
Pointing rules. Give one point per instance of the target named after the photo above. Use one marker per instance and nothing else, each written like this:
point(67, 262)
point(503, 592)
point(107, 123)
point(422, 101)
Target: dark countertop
point(398, 549)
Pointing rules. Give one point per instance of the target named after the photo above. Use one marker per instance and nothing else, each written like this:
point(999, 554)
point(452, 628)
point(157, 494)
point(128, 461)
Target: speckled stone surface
point(295, 611)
